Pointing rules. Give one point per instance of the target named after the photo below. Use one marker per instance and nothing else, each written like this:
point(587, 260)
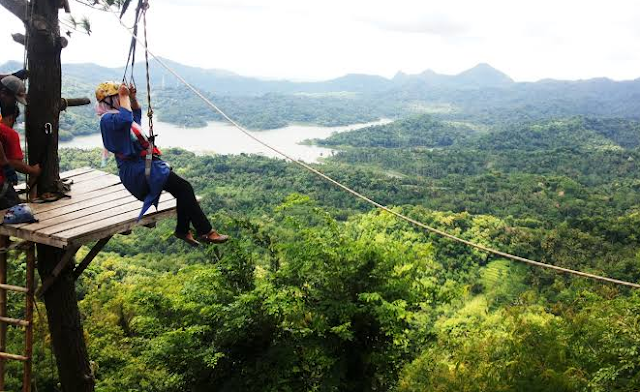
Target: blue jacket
point(116, 136)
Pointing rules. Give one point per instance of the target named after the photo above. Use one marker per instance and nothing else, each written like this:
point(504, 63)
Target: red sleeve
point(12, 147)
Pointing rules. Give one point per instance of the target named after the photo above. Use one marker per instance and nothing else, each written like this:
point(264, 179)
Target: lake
point(222, 138)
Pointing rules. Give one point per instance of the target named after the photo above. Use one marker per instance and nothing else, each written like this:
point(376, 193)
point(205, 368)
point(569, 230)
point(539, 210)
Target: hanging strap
point(131, 59)
point(151, 144)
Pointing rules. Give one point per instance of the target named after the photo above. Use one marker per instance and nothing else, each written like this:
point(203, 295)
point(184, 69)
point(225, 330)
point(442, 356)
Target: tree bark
point(44, 47)
point(65, 325)
point(16, 7)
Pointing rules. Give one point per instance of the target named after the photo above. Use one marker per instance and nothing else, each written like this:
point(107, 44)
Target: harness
point(149, 151)
point(147, 143)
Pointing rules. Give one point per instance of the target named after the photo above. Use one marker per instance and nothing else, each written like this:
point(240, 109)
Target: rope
point(146, 58)
point(131, 59)
point(152, 137)
point(375, 203)
point(28, 12)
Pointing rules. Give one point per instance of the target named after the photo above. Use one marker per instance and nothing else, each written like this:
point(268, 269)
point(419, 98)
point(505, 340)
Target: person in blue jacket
point(120, 117)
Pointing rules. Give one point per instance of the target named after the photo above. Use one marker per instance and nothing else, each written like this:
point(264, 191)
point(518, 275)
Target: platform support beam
point(90, 256)
point(67, 257)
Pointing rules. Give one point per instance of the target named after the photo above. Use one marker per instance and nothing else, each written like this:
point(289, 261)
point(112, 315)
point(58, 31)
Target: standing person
point(12, 89)
point(12, 157)
point(120, 115)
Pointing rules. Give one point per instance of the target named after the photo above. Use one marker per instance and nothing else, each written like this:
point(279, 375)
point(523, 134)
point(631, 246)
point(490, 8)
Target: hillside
point(312, 277)
point(317, 292)
point(481, 95)
point(417, 131)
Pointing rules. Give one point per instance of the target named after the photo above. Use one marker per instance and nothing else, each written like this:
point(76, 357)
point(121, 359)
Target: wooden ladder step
point(14, 288)
point(16, 322)
point(13, 356)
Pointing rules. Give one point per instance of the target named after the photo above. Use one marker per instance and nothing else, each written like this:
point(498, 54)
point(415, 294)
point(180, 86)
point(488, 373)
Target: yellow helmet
point(106, 89)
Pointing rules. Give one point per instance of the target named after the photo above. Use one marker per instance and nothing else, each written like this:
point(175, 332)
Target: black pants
point(189, 210)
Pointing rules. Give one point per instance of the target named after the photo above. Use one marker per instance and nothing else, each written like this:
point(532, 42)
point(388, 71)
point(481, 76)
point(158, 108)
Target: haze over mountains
point(224, 82)
point(481, 95)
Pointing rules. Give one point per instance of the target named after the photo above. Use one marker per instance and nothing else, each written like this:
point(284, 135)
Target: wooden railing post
point(4, 243)
point(29, 303)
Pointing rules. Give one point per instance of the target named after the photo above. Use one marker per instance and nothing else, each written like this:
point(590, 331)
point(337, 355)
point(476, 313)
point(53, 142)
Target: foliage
point(418, 131)
point(313, 293)
point(316, 292)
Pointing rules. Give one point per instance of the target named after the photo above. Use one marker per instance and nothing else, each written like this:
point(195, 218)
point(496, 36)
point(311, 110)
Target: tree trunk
point(65, 325)
point(43, 111)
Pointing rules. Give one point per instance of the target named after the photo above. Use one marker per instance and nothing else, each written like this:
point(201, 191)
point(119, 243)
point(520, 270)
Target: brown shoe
point(214, 238)
point(188, 238)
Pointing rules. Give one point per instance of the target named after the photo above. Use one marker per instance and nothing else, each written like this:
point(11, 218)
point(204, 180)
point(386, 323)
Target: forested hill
point(316, 291)
point(481, 95)
point(561, 133)
point(417, 131)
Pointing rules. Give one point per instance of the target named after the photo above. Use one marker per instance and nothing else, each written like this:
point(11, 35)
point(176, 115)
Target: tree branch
point(19, 38)
point(16, 7)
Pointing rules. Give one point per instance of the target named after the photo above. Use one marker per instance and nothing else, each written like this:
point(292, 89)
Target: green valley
point(318, 292)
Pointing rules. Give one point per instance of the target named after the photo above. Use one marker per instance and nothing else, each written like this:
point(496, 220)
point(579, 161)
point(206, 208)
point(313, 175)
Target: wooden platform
point(99, 207)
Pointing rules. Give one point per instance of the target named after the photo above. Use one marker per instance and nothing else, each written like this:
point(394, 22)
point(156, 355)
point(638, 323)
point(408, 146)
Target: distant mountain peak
point(484, 75)
point(429, 72)
point(484, 66)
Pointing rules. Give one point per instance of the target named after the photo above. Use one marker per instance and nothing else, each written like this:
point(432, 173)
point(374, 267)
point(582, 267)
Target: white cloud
point(439, 25)
point(304, 39)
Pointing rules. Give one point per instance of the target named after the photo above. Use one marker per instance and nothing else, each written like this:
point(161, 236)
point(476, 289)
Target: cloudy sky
point(314, 40)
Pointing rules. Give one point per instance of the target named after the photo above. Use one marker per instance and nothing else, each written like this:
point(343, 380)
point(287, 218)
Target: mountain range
point(482, 95)
point(223, 82)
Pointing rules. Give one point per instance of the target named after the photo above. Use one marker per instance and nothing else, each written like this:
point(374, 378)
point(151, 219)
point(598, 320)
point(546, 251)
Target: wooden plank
point(16, 322)
point(76, 172)
point(120, 206)
point(124, 226)
point(95, 183)
point(99, 198)
point(58, 216)
point(63, 175)
point(80, 193)
point(29, 235)
point(96, 219)
point(99, 207)
point(121, 222)
point(39, 209)
point(89, 176)
point(32, 236)
point(13, 288)
point(15, 357)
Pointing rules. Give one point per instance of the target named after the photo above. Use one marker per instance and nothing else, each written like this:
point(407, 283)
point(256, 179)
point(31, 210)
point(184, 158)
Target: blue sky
point(313, 40)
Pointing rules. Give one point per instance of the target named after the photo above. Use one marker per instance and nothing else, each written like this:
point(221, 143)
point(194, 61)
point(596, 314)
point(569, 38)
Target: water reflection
point(221, 138)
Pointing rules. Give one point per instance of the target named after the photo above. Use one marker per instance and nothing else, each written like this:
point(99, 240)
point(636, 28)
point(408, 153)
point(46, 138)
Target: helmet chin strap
point(109, 101)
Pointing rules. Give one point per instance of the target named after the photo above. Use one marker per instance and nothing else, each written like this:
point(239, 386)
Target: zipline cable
point(365, 198)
